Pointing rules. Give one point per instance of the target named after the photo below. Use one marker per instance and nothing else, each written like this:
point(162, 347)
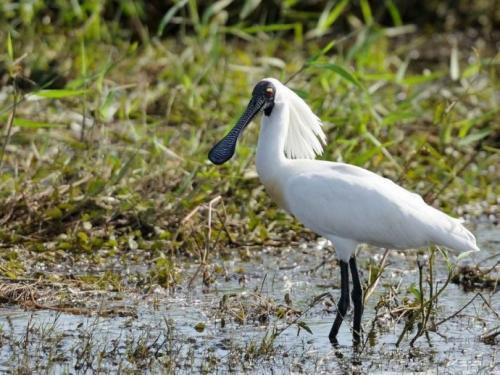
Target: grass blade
point(367, 11)
point(58, 94)
point(326, 22)
point(454, 67)
point(31, 124)
point(248, 8)
point(394, 12)
point(83, 56)
point(10, 48)
point(474, 137)
point(169, 15)
point(342, 72)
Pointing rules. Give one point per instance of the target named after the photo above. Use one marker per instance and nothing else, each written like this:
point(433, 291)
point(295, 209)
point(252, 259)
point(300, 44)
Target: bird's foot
point(333, 340)
point(357, 346)
point(356, 339)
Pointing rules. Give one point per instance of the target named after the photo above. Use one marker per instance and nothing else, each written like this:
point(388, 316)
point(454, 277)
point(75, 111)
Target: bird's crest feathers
point(305, 138)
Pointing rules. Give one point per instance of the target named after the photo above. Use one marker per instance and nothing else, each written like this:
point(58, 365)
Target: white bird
point(344, 203)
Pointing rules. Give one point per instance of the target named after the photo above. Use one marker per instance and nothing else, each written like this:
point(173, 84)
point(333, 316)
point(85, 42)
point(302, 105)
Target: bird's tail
point(452, 234)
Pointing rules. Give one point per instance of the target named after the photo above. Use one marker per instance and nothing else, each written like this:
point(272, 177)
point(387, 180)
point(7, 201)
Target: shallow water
point(163, 335)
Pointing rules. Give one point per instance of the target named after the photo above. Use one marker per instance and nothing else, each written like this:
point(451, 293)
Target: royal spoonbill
point(344, 203)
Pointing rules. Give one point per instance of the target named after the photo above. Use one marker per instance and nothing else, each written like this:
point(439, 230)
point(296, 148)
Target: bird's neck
point(271, 145)
point(271, 160)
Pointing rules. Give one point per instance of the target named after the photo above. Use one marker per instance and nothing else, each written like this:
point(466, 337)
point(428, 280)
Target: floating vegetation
point(164, 272)
point(255, 308)
point(18, 293)
point(472, 278)
point(60, 297)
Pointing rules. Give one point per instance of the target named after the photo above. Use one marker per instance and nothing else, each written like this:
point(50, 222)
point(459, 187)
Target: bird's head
point(263, 96)
point(304, 137)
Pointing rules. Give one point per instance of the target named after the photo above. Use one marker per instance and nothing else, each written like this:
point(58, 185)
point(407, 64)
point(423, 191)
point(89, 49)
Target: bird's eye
point(269, 92)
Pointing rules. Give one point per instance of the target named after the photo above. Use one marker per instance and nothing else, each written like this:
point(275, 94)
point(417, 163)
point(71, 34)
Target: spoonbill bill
point(344, 203)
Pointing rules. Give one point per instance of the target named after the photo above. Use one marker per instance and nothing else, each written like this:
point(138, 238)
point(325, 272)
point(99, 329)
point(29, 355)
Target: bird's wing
point(350, 202)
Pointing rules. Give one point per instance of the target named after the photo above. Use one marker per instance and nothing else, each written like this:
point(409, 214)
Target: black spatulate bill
point(224, 149)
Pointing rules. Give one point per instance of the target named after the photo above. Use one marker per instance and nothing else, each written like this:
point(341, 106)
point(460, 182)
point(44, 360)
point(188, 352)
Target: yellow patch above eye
point(269, 90)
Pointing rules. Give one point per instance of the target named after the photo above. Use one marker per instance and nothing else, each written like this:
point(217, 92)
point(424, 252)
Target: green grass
point(109, 153)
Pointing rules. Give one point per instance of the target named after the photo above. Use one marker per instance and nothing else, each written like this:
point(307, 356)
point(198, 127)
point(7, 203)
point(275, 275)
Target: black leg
point(343, 304)
point(357, 300)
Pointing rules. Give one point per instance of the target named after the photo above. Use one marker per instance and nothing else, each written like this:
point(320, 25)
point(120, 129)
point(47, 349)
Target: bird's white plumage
point(357, 205)
point(344, 203)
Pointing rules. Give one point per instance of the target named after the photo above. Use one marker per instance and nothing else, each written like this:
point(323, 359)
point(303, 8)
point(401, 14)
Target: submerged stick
point(478, 294)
